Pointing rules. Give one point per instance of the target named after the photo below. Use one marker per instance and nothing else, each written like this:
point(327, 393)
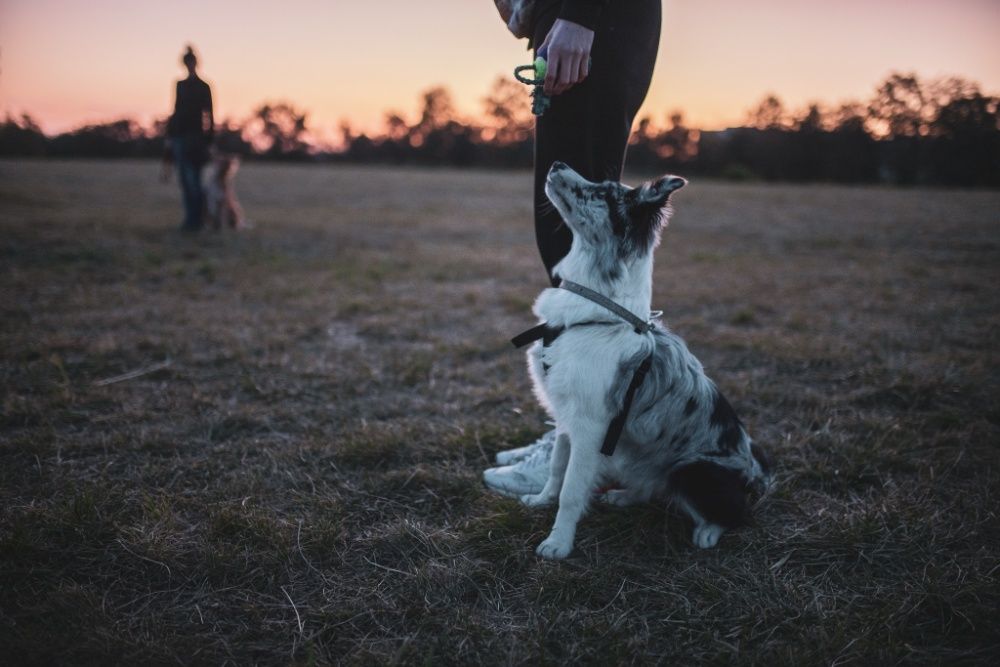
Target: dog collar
point(542, 330)
point(641, 326)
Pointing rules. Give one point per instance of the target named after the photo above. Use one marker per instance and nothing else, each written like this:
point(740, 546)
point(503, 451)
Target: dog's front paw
point(707, 535)
point(554, 549)
point(536, 500)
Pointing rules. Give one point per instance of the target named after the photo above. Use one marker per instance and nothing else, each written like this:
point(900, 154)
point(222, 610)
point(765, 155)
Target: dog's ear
point(657, 191)
point(649, 206)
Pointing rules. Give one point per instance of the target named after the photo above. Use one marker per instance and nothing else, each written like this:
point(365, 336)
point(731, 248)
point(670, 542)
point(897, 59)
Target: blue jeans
point(188, 155)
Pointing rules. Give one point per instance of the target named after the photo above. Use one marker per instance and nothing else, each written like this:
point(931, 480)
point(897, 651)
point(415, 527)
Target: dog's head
point(614, 226)
point(226, 166)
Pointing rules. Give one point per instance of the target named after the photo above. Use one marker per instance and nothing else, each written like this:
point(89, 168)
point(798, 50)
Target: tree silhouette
point(942, 91)
point(911, 131)
point(508, 112)
point(278, 130)
point(21, 137)
point(966, 145)
point(852, 154)
point(899, 108)
point(119, 138)
point(396, 128)
point(849, 116)
point(769, 114)
point(812, 120)
point(437, 112)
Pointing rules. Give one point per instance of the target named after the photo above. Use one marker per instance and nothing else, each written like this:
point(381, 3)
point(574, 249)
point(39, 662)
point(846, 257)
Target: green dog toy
point(539, 100)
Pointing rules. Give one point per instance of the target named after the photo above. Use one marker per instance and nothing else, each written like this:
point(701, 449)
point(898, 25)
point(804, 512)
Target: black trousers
point(588, 126)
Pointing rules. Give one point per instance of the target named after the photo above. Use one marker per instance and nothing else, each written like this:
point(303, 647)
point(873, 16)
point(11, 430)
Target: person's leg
point(189, 175)
point(198, 194)
point(180, 159)
point(587, 127)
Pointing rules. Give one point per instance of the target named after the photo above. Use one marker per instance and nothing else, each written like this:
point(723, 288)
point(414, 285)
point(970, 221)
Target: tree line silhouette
point(911, 131)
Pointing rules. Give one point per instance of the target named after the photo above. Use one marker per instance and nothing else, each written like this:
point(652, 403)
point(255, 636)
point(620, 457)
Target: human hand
point(568, 55)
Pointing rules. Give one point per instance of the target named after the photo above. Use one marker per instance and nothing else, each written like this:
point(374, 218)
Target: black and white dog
point(681, 440)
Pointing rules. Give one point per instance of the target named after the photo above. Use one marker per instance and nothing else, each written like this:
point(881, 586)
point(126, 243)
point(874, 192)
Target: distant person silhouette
point(189, 136)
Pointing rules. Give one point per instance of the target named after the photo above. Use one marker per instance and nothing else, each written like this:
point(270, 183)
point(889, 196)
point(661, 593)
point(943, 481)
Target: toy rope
point(526, 80)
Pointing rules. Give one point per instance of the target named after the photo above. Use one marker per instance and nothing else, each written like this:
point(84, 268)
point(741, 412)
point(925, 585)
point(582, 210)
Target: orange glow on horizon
point(71, 63)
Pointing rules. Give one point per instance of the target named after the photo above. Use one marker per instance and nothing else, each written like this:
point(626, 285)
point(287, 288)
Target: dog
point(681, 440)
point(221, 204)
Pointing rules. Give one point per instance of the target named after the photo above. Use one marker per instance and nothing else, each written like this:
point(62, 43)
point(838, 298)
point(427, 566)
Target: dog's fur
point(221, 204)
point(682, 440)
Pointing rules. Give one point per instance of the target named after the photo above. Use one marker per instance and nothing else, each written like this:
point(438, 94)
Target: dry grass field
point(292, 475)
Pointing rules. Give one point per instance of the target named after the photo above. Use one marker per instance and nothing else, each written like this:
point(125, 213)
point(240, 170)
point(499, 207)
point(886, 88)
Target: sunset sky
point(72, 61)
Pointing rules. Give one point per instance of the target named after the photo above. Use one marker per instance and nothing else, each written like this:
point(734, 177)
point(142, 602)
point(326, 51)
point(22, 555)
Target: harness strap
point(617, 424)
point(529, 336)
point(547, 334)
point(544, 331)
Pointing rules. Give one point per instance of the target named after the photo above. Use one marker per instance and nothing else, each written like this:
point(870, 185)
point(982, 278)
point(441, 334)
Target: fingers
point(568, 55)
point(552, 74)
point(565, 70)
point(568, 73)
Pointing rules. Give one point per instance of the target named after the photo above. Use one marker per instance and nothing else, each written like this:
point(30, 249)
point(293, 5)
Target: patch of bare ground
point(265, 447)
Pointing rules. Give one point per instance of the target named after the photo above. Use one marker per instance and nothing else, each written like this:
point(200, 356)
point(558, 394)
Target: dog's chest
point(577, 363)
